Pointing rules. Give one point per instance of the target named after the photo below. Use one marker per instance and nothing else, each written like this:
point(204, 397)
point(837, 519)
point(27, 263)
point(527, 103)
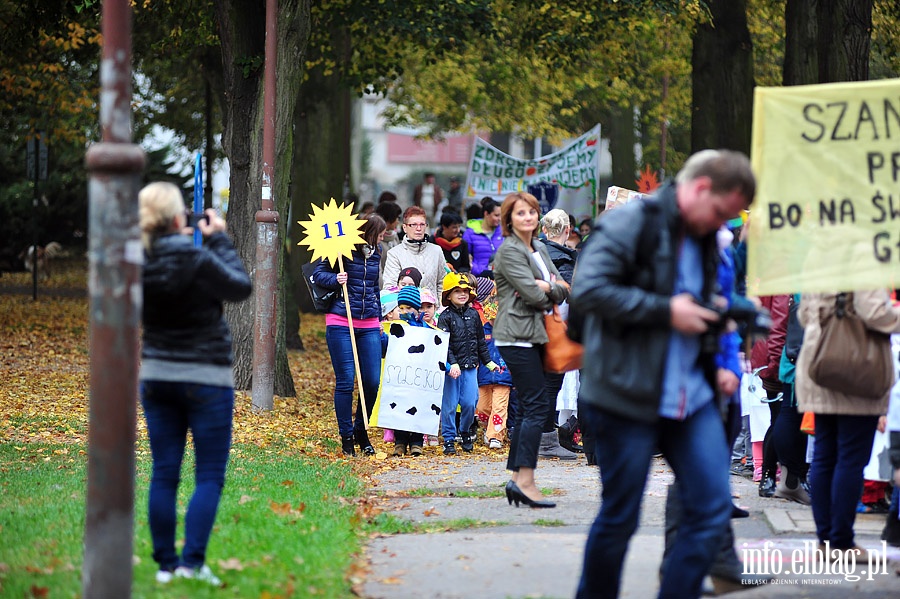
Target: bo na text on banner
point(827, 210)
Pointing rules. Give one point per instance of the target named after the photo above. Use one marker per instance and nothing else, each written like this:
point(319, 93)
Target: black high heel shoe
point(509, 487)
point(514, 493)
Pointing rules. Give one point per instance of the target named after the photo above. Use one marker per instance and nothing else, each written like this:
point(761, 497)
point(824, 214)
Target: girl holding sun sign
point(352, 323)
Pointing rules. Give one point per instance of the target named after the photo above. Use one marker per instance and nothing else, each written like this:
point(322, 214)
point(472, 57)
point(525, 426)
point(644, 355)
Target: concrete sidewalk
point(488, 549)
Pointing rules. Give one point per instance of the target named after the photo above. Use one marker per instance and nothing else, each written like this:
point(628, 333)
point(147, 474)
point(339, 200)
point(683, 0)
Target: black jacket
point(467, 344)
point(362, 284)
point(184, 288)
point(563, 259)
point(626, 275)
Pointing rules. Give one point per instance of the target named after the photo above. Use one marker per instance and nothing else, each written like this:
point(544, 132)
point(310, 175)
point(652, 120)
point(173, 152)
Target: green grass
point(458, 524)
point(388, 524)
point(305, 552)
point(429, 492)
point(548, 523)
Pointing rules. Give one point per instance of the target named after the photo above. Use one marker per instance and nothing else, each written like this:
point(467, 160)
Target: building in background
point(393, 159)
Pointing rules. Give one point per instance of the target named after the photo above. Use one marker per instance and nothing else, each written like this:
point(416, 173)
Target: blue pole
point(198, 196)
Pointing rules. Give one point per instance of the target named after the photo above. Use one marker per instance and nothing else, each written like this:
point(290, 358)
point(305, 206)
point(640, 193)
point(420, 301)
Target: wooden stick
point(359, 384)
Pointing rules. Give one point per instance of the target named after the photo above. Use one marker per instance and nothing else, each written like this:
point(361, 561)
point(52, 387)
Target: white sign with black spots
point(412, 383)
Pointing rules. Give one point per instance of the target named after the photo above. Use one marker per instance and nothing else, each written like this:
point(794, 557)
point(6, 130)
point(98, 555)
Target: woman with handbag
point(361, 278)
point(528, 285)
point(844, 375)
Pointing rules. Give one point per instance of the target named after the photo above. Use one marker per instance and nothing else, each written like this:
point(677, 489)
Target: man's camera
point(752, 323)
point(194, 218)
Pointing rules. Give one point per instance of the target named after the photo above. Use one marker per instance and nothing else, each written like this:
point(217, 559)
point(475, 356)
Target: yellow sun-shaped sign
point(332, 231)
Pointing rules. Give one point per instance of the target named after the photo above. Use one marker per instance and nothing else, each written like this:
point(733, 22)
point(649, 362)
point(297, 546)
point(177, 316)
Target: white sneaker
point(495, 444)
point(164, 576)
point(202, 573)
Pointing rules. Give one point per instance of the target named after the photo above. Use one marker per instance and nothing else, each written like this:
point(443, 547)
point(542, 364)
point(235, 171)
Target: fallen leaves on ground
point(45, 368)
point(285, 509)
point(230, 564)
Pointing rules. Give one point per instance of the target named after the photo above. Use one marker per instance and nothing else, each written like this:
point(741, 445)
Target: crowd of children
point(478, 393)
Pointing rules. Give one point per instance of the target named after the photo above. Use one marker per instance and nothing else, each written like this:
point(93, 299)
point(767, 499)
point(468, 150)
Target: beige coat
point(875, 309)
point(428, 258)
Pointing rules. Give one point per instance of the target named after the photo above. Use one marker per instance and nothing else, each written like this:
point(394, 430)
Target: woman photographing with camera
point(186, 379)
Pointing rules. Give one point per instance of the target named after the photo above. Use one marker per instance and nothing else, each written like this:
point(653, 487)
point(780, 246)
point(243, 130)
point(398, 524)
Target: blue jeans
point(462, 392)
point(170, 410)
point(698, 453)
point(368, 346)
point(842, 450)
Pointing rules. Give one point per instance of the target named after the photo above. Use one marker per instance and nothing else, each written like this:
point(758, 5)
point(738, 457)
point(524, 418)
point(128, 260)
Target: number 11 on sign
point(340, 229)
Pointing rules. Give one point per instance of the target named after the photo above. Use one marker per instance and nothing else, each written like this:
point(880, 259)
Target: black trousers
point(408, 438)
point(790, 443)
point(552, 383)
point(533, 407)
point(770, 456)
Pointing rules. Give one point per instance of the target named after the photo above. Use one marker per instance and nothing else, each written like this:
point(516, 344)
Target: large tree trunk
point(827, 40)
point(322, 146)
point(621, 146)
point(801, 55)
point(242, 33)
point(722, 79)
point(845, 32)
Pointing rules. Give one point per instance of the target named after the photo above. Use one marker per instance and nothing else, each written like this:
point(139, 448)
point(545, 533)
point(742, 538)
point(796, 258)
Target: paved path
point(517, 553)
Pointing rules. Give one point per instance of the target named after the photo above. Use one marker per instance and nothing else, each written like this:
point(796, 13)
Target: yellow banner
point(827, 209)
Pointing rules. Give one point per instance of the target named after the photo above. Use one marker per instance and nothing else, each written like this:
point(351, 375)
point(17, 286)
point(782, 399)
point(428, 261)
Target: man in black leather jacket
point(648, 378)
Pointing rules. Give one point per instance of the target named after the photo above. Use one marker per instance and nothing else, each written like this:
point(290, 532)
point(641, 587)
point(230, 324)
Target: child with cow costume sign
point(467, 349)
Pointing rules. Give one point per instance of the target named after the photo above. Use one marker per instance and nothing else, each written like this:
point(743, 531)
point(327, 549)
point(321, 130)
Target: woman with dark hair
point(484, 236)
point(361, 278)
point(186, 378)
point(585, 227)
point(387, 196)
point(528, 284)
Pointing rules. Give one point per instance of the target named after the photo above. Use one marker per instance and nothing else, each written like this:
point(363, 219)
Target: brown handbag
point(561, 354)
point(851, 358)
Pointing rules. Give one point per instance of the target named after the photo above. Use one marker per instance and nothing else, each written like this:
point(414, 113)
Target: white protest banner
point(827, 162)
point(619, 196)
point(497, 174)
point(412, 382)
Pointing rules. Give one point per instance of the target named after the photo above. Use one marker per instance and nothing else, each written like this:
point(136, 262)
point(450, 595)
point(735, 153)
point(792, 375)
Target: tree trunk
point(827, 41)
point(321, 141)
point(845, 31)
point(621, 146)
point(801, 32)
point(722, 79)
point(242, 33)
